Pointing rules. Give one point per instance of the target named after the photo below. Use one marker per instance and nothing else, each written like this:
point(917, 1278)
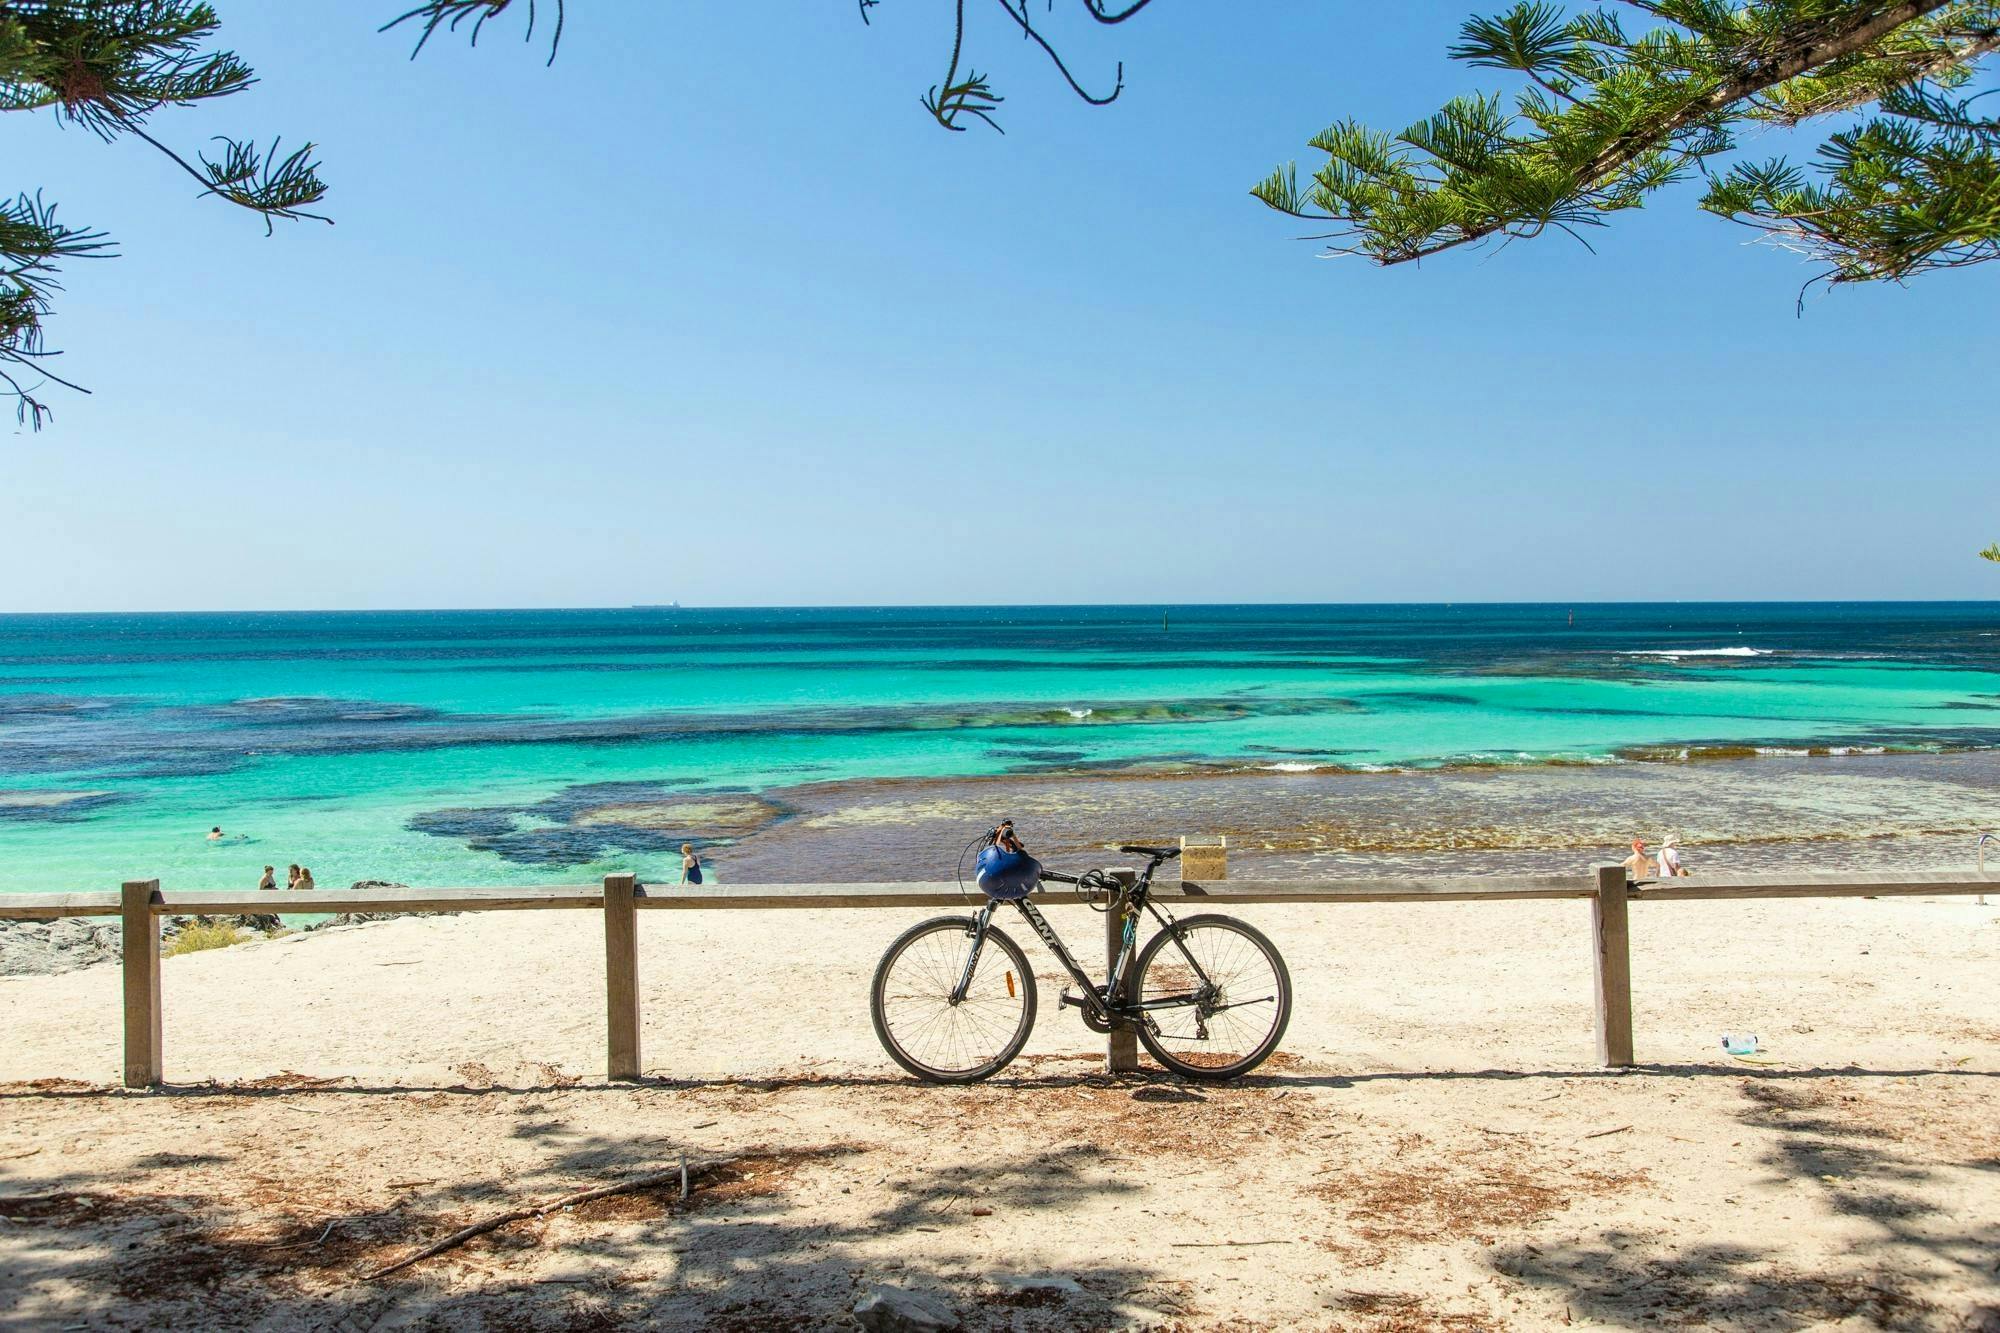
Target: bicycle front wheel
point(1217, 994)
point(934, 1037)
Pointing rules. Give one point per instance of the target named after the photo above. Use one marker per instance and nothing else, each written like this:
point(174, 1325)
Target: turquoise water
point(541, 747)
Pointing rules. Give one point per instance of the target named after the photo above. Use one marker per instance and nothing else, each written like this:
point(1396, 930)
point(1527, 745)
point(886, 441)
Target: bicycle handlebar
point(1157, 853)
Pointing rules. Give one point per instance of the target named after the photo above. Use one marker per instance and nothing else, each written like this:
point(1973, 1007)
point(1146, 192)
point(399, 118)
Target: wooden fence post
point(1611, 934)
point(139, 936)
point(621, 976)
point(1204, 859)
point(1121, 1045)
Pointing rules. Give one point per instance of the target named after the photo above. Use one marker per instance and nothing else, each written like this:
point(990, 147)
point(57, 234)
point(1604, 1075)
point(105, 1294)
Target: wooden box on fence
point(1204, 858)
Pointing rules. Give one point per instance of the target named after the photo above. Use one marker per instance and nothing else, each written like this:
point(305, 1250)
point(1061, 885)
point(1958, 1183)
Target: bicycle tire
point(976, 1070)
point(1280, 978)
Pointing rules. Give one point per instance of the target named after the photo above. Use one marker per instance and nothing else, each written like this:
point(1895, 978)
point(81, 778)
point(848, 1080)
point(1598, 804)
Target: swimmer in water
point(215, 834)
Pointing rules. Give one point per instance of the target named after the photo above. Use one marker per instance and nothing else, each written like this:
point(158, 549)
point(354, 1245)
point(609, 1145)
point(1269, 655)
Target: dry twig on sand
point(1220, 1244)
point(650, 1180)
point(304, 1244)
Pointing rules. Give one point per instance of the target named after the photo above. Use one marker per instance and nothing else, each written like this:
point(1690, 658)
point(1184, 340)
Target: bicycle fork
point(980, 924)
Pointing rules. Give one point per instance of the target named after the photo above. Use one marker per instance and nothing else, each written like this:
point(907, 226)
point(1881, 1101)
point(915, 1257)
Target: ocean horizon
point(538, 746)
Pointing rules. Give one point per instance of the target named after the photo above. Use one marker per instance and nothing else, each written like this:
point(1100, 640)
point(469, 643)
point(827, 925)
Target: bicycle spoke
point(1215, 996)
point(915, 1014)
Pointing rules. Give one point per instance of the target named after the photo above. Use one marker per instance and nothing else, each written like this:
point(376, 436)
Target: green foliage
point(110, 66)
point(199, 936)
point(1992, 553)
point(1604, 118)
point(956, 98)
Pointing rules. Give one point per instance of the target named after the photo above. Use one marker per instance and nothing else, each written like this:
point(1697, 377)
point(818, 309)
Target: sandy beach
point(1433, 1147)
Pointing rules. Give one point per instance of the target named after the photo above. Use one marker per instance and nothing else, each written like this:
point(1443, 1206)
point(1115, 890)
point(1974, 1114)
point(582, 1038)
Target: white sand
point(1422, 1153)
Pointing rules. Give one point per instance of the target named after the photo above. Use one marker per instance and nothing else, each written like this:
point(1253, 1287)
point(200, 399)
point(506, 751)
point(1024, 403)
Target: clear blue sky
point(711, 311)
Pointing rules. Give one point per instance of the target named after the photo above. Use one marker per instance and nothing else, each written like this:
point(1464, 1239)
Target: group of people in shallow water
point(1667, 865)
point(296, 877)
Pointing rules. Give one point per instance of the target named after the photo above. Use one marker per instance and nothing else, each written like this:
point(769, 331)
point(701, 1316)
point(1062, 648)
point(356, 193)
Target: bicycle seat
point(1161, 852)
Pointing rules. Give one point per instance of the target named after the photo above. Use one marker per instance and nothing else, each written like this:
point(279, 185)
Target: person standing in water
point(690, 864)
point(1639, 865)
point(1670, 859)
point(270, 880)
point(215, 834)
point(305, 880)
point(292, 875)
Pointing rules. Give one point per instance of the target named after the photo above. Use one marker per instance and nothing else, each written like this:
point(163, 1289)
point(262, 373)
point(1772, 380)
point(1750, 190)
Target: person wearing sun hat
point(1670, 859)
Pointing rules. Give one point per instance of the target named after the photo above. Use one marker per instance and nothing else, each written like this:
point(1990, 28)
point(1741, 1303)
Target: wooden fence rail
point(140, 904)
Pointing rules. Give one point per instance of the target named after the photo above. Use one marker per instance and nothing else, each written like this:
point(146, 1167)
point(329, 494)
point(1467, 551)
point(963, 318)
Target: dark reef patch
point(55, 807)
point(306, 711)
point(463, 823)
point(16, 707)
point(594, 820)
point(1313, 752)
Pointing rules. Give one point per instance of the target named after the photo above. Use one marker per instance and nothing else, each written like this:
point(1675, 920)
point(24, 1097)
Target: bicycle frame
point(1097, 1010)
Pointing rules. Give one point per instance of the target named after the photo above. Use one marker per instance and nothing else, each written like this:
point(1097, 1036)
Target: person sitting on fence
point(690, 864)
point(1639, 865)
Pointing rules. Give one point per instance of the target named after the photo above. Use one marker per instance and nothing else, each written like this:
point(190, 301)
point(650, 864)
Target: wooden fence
point(141, 903)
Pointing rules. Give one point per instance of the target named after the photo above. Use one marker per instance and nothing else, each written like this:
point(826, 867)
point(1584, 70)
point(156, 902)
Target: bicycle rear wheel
point(1219, 994)
point(920, 1026)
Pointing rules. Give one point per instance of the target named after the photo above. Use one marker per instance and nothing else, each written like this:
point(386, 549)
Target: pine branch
point(1607, 119)
point(952, 98)
point(449, 15)
point(32, 244)
point(111, 66)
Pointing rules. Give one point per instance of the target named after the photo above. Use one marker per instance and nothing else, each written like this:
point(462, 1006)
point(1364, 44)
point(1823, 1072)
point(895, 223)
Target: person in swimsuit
point(1639, 865)
point(292, 875)
point(305, 879)
point(215, 834)
point(690, 864)
point(270, 880)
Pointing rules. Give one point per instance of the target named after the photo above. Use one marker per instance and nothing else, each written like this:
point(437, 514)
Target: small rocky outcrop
point(44, 948)
point(362, 918)
point(264, 923)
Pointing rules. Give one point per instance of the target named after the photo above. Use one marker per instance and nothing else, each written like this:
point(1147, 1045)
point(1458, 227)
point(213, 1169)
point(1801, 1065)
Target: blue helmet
point(1004, 875)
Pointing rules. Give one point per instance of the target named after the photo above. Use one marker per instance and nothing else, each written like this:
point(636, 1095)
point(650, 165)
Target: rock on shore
point(44, 948)
point(363, 918)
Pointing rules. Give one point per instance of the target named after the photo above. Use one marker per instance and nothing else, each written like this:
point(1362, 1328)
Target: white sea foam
point(1291, 768)
point(1079, 713)
point(1677, 653)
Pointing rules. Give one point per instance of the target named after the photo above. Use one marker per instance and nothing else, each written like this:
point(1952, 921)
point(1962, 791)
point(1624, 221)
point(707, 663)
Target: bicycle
point(954, 1000)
